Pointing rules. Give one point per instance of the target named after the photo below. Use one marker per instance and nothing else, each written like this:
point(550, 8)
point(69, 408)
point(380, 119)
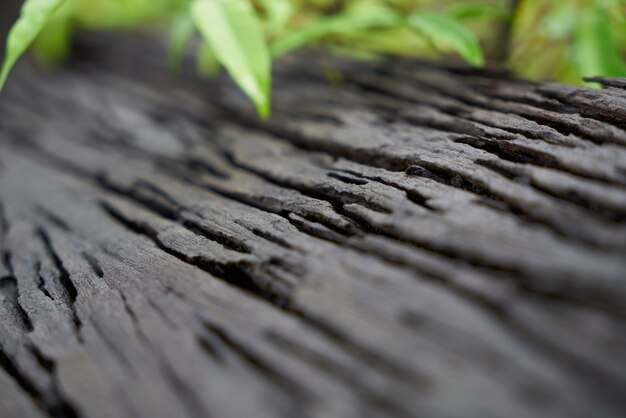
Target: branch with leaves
point(547, 38)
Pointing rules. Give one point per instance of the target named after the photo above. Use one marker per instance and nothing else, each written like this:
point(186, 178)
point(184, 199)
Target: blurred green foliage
point(540, 39)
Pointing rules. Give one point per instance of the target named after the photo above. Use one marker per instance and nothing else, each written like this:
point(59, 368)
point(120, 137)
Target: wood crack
point(52, 403)
point(69, 290)
point(234, 273)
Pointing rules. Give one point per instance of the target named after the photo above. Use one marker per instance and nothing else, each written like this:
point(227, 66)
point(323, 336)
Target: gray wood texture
point(402, 240)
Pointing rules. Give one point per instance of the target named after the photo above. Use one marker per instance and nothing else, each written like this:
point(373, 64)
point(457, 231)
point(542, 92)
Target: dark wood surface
point(407, 240)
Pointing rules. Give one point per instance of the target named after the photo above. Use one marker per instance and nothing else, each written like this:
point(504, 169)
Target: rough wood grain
point(420, 240)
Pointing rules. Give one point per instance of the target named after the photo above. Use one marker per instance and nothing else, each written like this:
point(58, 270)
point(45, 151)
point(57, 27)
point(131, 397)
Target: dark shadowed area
point(9, 10)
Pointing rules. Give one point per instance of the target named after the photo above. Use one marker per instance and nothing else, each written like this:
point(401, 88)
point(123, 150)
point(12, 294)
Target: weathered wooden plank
point(421, 240)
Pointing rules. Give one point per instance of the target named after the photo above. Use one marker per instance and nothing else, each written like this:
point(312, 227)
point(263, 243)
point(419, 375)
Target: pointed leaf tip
point(235, 35)
point(33, 17)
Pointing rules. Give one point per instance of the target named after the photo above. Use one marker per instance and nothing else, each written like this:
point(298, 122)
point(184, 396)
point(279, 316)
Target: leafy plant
point(236, 38)
point(554, 39)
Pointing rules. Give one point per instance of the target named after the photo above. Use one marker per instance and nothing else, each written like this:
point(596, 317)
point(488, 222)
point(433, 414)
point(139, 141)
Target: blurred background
point(9, 10)
point(562, 40)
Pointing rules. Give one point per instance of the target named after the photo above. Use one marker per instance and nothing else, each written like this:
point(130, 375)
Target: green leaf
point(446, 31)
point(596, 50)
point(234, 33)
point(53, 45)
point(181, 32)
point(348, 24)
point(34, 16)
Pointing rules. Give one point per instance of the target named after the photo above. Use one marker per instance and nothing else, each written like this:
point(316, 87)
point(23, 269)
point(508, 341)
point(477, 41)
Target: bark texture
point(401, 240)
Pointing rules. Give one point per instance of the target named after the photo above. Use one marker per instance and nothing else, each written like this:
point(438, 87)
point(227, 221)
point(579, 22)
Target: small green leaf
point(446, 31)
point(596, 50)
point(34, 16)
point(350, 23)
point(181, 32)
point(234, 33)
